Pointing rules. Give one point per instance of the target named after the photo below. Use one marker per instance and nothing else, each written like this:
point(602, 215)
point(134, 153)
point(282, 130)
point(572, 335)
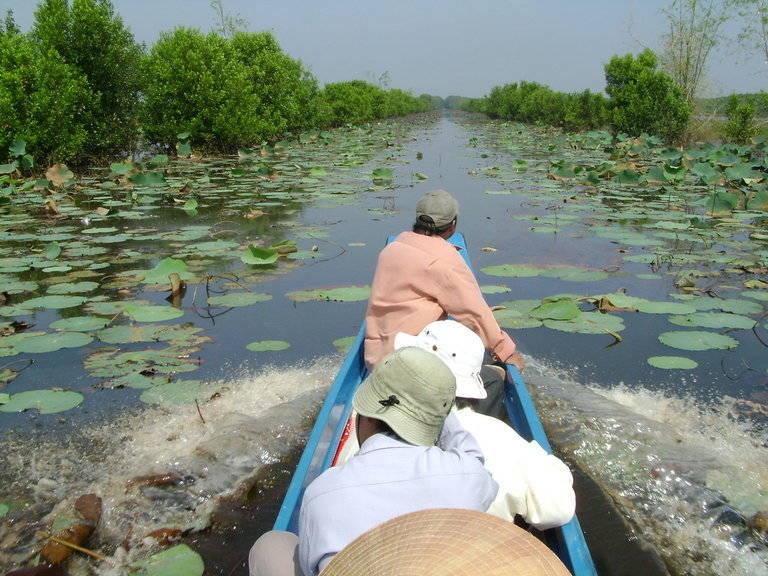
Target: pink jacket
point(420, 279)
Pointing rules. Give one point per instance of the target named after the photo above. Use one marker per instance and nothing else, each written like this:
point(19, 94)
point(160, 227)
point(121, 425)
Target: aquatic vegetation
point(45, 401)
point(268, 346)
point(672, 362)
point(339, 294)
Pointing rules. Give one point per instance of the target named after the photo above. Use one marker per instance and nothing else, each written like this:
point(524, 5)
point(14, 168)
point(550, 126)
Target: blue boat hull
point(567, 541)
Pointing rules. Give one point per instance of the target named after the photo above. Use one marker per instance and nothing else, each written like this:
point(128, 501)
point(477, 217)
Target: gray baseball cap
point(438, 205)
point(412, 391)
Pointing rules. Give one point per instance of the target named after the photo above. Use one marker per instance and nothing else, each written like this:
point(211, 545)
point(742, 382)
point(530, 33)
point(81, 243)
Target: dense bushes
point(43, 101)
point(78, 87)
point(741, 126)
point(357, 101)
point(91, 38)
point(536, 103)
point(643, 98)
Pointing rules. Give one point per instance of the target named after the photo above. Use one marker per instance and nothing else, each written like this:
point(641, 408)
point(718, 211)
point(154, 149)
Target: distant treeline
point(78, 87)
point(719, 106)
point(641, 99)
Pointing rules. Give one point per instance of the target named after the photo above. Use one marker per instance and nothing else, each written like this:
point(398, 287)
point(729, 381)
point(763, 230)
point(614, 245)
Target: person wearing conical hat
point(421, 278)
point(533, 484)
point(414, 455)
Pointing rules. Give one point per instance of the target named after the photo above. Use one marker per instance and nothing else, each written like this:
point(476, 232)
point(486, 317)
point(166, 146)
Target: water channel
point(670, 464)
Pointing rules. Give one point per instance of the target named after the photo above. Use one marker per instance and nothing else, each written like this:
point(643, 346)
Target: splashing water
point(687, 476)
point(159, 467)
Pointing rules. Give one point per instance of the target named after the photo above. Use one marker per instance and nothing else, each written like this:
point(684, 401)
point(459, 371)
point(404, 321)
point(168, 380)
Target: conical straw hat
point(446, 542)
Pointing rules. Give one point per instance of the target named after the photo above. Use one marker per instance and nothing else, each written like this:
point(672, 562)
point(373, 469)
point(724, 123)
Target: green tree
point(8, 26)
point(91, 37)
point(197, 83)
point(643, 98)
point(754, 32)
point(43, 101)
point(741, 126)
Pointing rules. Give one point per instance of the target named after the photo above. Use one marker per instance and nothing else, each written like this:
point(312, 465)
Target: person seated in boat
point(533, 484)
point(420, 277)
point(414, 455)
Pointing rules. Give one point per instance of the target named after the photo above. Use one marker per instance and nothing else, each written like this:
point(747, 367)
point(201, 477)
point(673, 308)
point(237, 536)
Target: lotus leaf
point(672, 362)
point(179, 392)
point(55, 302)
point(255, 256)
point(139, 313)
point(159, 274)
point(235, 299)
point(697, 340)
point(113, 308)
point(215, 246)
point(17, 287)
point(107, 230)
point(344, 344)
point(53, 251)
point(268, 345)
point(304, 255)
point(179, 560)
point(46, 401)
point(72, 287)
point(588, 323)
point(621, 300)
point(79, 324)
point(495, 289)
point(757, 295)
point(513, 270)
point(148, 179)
point(733, 305)
point(341, 294)
point(714, 320)
point(7, 375)
point(560, 309)
point(4, 509)
point(382, 174)
point(112, 363)
point(138, 380)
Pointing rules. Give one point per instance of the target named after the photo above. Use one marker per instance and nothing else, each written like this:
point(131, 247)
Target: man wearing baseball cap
point(414, 455)
point(420, 278)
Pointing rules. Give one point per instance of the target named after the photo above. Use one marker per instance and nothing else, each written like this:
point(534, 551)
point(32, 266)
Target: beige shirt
point(420, 279)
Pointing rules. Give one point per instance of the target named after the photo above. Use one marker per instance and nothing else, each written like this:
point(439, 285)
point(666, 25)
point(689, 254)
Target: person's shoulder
point(482, 426)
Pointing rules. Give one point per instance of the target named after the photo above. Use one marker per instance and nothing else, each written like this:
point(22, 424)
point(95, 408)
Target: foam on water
point(685, 475)
point(255, 421)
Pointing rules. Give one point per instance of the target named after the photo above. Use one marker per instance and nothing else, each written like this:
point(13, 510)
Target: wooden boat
point(328, 432)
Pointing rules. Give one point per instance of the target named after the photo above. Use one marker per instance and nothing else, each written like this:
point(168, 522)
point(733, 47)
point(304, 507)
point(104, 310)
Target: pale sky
point(444, 47)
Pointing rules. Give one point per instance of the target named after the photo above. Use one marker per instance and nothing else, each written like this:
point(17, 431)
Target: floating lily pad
point(255, 256)
point(46, 401)
point(139, 313)
point(51, 342)
point(179, 392)
point(159, 274)
point(494, 289)
point(55, 302)
point(268, 345)
point(236, 299)
point(4, 509)
point(733, 305)
point(512, 271)
point(114, 308)
point(561, 309)
point(756, 294)
point(72, 287)
point(7, 375)
point(139, 380)
point(588, 323)
point(672, 362)
point(621, 300)
point(697, 340)
point(714, 320)
point(180, 560)
point(344, 344)
point(79, 324)
point(341, 294)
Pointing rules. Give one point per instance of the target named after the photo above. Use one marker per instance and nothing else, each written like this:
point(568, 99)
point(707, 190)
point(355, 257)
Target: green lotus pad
point(139, 313)
point(180, 560)
point(79, 324)
point(7, 375)
point(255, 256)
point(567, 273)
point(4, 509)
point(697, 340)
point(672, 362)
point(559, 309)
point(17, 287)
point(268, 346)
point(733, 305)
point(177, 333)
point(341, 294)
point(51, 342)
point(112, 363)
point(714, 320)
point(756, 294)
point(72, 287)
point(159, 274)
point(54, 302)
point(46, 401)
point(344, 344)
point(588, 323)
point(236, 299)
point(114, 308)
point(621, 300)
point(179, 392)
point(494, 289)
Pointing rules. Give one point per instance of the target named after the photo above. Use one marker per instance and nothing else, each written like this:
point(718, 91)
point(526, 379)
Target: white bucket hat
point(456, 345)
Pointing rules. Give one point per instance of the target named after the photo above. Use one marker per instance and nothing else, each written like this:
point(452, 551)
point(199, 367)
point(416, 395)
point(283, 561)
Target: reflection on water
point(688, 477)
point(163, 468)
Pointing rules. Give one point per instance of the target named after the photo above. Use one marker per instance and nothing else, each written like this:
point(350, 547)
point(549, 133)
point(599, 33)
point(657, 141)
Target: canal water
point(670, 465)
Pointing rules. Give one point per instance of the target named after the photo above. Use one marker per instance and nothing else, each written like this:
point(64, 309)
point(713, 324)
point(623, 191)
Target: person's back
point(421, 278)
point(403, 412)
